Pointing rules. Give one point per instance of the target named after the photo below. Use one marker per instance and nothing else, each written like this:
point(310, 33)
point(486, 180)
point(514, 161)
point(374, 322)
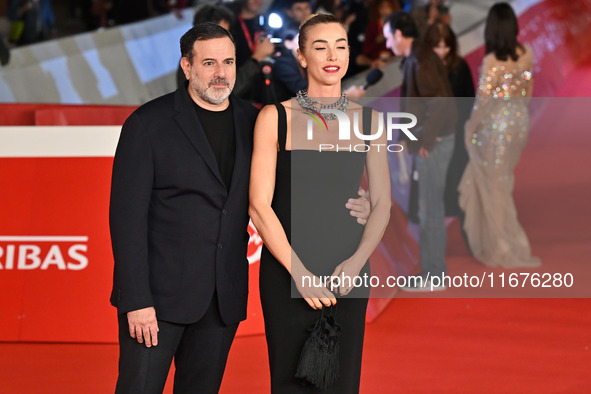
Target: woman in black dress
point(297, 202)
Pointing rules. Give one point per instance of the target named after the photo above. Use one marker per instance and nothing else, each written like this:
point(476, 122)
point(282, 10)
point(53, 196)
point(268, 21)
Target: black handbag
point(319, 360)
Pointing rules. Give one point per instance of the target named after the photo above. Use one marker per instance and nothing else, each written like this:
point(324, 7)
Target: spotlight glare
point(275, 21)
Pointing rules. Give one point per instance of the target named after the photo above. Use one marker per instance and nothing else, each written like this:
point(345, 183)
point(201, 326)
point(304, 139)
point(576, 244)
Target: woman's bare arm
point(262, 186)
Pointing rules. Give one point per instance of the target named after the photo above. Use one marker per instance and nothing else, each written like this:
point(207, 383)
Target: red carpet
point(427, 345)
point(417, 345)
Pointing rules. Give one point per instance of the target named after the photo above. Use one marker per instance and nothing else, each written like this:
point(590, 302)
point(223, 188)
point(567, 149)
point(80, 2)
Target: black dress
point(311, 189)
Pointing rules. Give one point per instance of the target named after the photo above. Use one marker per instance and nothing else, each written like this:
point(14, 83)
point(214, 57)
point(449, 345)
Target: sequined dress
point(496, 134)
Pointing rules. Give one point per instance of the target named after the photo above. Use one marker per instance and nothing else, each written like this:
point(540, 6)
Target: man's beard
point(212, 95)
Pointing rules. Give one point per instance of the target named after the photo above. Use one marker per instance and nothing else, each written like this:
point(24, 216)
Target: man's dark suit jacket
point(177, 233)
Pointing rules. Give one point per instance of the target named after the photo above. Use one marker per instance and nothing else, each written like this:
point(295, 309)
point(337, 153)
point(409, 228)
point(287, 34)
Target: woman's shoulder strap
point(367, 114)
point(281, 126)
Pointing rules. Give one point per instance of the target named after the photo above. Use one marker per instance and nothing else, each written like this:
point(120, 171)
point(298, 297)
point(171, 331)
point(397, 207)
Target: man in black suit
point(179, 218)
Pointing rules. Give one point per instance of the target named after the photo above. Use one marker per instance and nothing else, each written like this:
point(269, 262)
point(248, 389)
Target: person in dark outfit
point(178, 219)
point(442, 39)
point(288, 74)
point(296, 12)
point(37, 18)
point(424, 81)
point(253, 46)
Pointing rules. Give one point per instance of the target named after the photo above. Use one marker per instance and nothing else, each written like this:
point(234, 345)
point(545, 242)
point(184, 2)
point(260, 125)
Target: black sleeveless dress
point(311, 189)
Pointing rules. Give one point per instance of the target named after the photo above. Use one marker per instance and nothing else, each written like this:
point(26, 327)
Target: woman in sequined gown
point(495, 136)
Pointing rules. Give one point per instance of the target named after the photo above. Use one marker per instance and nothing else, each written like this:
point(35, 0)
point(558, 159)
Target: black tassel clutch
point(319, 360)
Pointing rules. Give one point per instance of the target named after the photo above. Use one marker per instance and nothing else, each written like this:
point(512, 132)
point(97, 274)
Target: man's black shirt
point(219, 130)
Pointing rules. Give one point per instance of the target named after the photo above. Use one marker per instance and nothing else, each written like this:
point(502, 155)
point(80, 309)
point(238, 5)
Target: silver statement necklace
point(307, 103)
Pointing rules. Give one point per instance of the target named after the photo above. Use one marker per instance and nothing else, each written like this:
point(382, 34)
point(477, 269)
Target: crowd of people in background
point(33, 21)
point(268, 69)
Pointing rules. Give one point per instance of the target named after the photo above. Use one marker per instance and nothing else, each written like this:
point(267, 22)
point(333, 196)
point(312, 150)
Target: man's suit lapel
point(242, 145)
point(187, 119)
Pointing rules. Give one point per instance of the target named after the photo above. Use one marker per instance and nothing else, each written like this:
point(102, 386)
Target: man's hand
point(360, 207)
point(143, 326)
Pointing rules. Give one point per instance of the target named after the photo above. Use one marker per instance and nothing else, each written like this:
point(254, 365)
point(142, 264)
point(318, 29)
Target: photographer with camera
point(249, 33)
point(253, 46)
